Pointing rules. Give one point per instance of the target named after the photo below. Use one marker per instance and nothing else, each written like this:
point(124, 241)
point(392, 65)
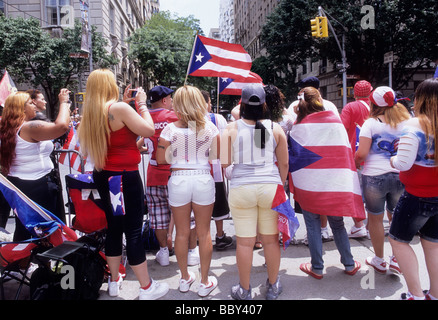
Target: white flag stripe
point(321, 134)
point(327, 180)
point(214, 66)
point(226, 54)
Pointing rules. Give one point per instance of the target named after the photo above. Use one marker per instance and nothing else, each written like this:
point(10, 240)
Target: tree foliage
point(163, 47)
point(407, 28)
point(31, 55)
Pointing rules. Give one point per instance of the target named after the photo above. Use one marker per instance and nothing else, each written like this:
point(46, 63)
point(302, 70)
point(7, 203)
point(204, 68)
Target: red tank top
point(123, 153)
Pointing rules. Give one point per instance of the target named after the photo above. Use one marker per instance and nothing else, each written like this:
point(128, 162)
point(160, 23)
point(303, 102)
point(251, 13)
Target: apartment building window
point(122, 33)
point(2, 7)
point(59, 12)
point(111, 20)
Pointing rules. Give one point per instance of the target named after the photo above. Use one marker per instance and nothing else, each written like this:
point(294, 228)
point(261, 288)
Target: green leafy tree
point(407, 28)
point(31, 55)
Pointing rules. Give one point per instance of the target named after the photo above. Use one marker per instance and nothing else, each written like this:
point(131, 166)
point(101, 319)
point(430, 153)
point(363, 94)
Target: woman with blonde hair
point(25, 150)
point(381, 186)
point(417, 209)
point(187, 145)
point(108, 133)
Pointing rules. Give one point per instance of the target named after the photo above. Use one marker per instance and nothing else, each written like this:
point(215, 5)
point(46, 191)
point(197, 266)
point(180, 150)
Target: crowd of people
point(377, 149)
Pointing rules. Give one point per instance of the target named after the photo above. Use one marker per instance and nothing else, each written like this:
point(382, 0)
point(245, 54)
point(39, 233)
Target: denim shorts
point(413, 215)
point(187, 186)
point(381, 189)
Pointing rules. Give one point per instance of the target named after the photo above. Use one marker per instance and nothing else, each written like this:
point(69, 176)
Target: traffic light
point(314, 26)
point(319, 27)
point(323, 27)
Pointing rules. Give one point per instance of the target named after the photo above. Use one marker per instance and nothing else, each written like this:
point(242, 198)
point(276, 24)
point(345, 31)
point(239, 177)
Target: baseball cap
point(309, 82)
point(253, 94)
point(159, 92)
point(383, 97)
point(362, 89)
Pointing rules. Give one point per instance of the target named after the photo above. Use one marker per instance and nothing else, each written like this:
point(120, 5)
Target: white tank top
point(32, 159)
point(253, 165)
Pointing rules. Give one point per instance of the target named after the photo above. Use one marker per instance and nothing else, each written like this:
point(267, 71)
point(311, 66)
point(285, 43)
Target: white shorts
point(187, 186)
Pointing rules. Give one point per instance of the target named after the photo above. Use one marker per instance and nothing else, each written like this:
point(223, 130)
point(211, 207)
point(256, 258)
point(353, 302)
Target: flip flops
point(307, 268)
point(354, 270)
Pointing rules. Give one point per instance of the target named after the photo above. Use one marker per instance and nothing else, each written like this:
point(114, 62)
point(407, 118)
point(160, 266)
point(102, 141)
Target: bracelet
point(142, 109)
point(141, 104)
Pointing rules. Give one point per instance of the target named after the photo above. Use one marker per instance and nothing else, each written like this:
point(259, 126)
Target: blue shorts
point(380, 190)
point(413, 215)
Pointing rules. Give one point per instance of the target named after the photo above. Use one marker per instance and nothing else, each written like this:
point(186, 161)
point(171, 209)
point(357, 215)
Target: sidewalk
point(335, 285)
point(365, 285)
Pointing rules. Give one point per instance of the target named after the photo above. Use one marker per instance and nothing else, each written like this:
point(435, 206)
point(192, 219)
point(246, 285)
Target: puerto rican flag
point(116, 195)
point(213, 58)
point(72, 158)
point(230, 86)
point(322, 168)
point(288, 222)
point(7, 87)
point(37, 220)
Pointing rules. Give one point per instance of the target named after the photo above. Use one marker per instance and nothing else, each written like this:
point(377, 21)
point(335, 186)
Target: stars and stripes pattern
point(322, 167)
point(213, 58)
point(228, 86)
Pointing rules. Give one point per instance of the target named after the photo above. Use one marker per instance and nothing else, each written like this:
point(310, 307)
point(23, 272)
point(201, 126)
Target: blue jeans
point(381, 189)
point(313, 225)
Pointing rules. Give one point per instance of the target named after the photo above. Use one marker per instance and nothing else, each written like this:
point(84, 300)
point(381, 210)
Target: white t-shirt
point(384, 145)
point(189, 149)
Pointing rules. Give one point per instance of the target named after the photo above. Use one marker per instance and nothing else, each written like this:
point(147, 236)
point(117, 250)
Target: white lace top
point(189, 149)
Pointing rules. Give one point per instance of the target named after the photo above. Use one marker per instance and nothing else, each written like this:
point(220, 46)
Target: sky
point(206, 11)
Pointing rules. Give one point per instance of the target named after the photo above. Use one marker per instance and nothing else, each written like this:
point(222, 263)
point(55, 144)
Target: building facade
point(116, 20)
point(226, 20)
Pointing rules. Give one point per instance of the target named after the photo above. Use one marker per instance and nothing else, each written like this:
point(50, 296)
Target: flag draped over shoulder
point(288, 222)
point(322, 167)
point(230, 86)
point(36, 219)
point(7, 87)
point(213, 58)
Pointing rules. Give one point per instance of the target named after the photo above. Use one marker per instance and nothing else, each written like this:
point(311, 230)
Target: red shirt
point(354, 113)
point(158, 175)
point(123, 153)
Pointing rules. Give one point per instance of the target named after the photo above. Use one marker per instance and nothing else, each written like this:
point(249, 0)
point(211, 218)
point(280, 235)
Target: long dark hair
point(256, 113)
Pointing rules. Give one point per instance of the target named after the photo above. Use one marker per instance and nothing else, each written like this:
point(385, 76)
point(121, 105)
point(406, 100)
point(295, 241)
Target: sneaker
point(377, 263)
point(162, 257)
point(205, 289)
point(184, 285)
point(193, 257)
point(393, 265)
point(410, 296)
point(325, 235)
point(155, 291)
point(238, 293)
point(358, 232)
point(114, 286)
point(224, 242)
point(274, 290)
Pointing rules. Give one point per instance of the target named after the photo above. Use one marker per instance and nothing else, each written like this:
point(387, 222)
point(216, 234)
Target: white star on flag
point(115, 200)
point(199, 57)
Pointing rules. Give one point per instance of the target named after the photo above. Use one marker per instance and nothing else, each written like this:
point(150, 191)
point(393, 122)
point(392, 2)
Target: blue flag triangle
point(200, 56)
point(300, 157)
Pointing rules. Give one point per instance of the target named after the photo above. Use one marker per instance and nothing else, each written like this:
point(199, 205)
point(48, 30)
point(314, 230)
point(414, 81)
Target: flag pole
point(218, 94)
point(191, 58)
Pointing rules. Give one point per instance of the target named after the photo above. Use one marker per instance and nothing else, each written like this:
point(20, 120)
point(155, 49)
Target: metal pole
point(344, 72)
point(390, 74)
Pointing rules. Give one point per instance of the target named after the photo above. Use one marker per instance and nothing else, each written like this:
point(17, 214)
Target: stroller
point(47, 231)
point(54, 246)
